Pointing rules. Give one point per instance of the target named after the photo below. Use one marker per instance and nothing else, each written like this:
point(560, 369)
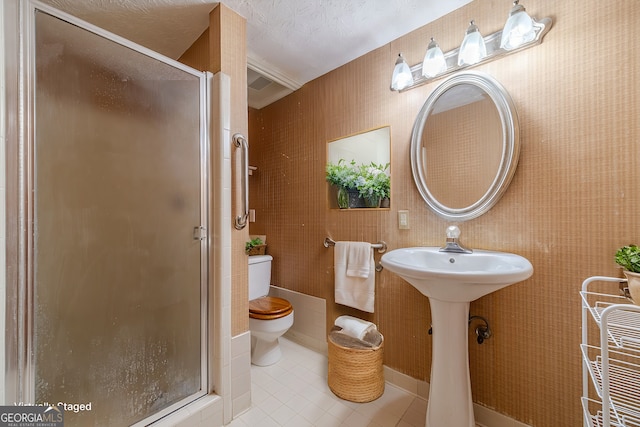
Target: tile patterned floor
point(294, 393)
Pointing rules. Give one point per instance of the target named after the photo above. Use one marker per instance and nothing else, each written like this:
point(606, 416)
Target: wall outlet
point(403, 220)
point(252, 215)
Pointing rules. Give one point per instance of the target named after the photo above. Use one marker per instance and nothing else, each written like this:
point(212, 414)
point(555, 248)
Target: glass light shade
point(401, 77)
point(433, 63)
point(518, 29)
point(472, 49)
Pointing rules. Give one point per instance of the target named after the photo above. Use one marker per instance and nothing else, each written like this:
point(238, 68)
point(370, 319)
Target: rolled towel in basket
point(354, 327)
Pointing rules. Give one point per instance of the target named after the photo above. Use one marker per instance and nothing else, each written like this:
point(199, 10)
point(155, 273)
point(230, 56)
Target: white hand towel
point(357, 292)
point(354, 327)
point(359, 256)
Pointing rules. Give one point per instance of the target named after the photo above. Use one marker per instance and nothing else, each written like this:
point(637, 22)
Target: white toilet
point(269, 317)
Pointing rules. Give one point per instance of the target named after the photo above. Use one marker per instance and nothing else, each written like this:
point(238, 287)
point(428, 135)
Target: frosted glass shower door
point(119, 295)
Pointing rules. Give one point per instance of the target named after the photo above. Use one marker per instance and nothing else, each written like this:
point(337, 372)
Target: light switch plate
point(403, 220)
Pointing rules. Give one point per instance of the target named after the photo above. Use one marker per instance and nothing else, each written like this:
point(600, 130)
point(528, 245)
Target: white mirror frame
point(510, 146)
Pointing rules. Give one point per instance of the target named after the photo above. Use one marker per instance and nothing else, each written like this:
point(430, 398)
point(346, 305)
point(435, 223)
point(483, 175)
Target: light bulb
point(473, 48)
point(401, 77)
point(434, 62)
point(518, 29)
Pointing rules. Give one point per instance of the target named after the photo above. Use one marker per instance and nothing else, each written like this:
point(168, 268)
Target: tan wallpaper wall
point(572, 203)
point(223, 47)
point(197, 56)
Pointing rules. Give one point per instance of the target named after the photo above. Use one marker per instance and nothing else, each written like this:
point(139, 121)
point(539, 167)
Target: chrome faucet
point(452, 243)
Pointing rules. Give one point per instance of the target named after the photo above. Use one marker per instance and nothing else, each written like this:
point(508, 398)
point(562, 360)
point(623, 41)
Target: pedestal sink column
point(451, 280)
point(450, 402)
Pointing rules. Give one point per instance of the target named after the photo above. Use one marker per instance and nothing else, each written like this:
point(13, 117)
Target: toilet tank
point(259, 275)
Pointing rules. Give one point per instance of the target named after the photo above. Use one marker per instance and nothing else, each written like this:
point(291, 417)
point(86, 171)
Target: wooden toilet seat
point(269, 308)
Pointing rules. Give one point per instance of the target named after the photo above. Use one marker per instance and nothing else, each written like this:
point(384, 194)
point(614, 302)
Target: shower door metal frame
point(20, 366)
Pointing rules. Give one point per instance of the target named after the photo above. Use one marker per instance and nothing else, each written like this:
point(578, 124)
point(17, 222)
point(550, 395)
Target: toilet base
point(265, 353)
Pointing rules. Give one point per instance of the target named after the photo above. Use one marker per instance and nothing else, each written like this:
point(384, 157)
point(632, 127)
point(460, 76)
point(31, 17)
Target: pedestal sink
point(452, 281)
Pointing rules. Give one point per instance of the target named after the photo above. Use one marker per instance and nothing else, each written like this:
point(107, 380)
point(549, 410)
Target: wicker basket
point(257, 250)
point(355, 374)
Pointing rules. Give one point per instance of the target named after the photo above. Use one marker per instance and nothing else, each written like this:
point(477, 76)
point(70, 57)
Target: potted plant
point(373, 184)
point(356, 184)
point(255, 246)
point(629, 258)
point(343, 176)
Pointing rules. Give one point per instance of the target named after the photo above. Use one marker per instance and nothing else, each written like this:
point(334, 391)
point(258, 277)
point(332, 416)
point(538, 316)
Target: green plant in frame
point(374, 181)
point(371, 181)
point(342, 174)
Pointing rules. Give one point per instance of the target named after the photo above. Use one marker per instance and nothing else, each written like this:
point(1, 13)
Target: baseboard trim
point(484, 416)
point(307, 341)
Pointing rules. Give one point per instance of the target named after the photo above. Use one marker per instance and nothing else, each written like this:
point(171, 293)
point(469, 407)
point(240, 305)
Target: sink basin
point(456, 277)
point(452, 281)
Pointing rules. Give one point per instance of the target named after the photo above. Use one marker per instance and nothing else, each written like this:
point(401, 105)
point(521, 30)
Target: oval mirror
point(465, 146)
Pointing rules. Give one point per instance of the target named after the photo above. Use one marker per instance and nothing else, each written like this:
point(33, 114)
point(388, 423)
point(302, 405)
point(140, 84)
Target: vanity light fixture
point(472, 49)
point(401, 77)
point(433, 63)
point(520, 32)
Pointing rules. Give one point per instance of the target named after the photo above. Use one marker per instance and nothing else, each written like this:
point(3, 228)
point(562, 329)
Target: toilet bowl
point(269, 317)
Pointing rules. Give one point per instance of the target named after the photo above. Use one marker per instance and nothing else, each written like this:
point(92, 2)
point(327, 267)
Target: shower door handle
point(241, 142)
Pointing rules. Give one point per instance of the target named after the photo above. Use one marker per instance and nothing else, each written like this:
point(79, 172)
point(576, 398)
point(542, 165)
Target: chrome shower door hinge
point(199, 233)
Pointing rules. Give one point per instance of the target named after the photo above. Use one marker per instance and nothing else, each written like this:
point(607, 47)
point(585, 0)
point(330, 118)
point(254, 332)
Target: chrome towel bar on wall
point(381, 246)
point(241, 142)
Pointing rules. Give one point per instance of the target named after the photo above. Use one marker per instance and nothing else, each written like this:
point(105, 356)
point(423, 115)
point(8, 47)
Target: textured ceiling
point(304, 39)
point(289, 41)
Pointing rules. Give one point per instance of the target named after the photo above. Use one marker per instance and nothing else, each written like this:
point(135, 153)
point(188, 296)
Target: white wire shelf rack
point(623, 326)
point(597, 419)
point(613, 364)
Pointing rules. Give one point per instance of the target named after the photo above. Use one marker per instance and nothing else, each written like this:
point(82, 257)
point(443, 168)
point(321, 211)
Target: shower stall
point(113, 300)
